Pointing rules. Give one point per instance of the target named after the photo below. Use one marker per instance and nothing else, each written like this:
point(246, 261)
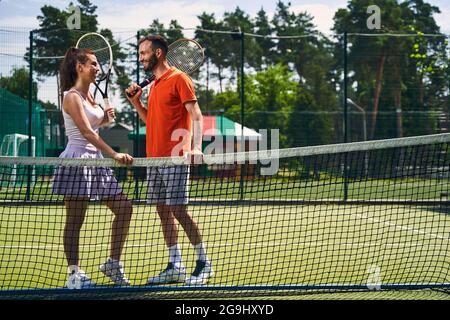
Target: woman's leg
point(123, 210)
point(75, 213)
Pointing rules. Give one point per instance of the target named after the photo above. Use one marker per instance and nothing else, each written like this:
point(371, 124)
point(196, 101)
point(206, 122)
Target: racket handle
point(107, 107)
point(143, 84)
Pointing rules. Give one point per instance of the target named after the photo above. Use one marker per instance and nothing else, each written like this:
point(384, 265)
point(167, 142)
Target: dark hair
point(158, 42)
point(67, 69)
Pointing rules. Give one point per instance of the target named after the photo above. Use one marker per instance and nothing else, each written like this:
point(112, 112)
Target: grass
point(270, 188)
point(248, 245)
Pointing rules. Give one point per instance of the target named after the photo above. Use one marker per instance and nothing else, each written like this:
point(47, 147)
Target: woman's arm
point(73, 106)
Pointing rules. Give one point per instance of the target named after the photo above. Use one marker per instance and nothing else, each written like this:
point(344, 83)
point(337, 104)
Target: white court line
point(431, 235)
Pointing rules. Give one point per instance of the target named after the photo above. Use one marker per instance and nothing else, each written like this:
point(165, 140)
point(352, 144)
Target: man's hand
point(135, 91)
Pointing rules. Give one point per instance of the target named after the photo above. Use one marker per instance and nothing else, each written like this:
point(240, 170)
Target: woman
point(82, 118)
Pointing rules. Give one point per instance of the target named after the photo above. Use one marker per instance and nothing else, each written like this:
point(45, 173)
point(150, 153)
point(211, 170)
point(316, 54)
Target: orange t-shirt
point(168, 127)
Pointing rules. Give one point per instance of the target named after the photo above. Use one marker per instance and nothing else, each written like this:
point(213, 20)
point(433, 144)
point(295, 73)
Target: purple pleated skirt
point(84, 181)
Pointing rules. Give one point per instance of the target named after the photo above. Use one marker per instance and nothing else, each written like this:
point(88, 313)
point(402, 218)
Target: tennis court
point(291, 234)
point(251, 245)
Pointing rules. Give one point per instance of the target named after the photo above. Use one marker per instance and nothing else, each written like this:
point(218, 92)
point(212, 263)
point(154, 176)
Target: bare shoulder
point(71, 100)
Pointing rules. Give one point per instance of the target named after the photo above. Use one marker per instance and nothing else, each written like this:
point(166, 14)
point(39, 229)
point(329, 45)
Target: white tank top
point(95, 116)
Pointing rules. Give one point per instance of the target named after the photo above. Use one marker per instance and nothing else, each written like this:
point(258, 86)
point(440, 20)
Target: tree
point(266, 45)
point(368, 55)
point(214, 45)
point(381, 62)
point(270, 95)
point(235, 21)
point(309, 54)
point(53, 39)
point(18, 83)
point(301, 63)
point(172, 33)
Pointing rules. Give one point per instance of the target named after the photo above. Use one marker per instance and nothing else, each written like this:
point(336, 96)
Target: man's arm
point(197, 122)
point(136, 101)
point(142, 111)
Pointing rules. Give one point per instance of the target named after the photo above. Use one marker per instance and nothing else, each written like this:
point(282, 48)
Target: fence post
point(241, 184)
point(136, 125)
point(30, 116)
point(345, 124)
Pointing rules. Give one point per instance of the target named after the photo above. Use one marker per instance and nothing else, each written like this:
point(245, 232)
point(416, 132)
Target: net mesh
point(350, 217)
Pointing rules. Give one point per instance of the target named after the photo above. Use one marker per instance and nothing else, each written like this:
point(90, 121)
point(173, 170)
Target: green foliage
point(294, 84)
point(270, 95)
point(172, 33)
point(274, 100)
point(18, 83)
point(214, 45)
point(391, 74)
point(54, 38)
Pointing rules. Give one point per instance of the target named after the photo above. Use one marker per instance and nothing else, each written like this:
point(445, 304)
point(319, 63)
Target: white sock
point(175, 255)
point(72, 268)
point(200, 249)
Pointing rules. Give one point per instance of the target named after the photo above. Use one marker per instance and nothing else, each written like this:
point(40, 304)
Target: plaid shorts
point(168, 185)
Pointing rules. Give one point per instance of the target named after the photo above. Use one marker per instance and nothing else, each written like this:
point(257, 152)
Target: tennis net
point(349, 217)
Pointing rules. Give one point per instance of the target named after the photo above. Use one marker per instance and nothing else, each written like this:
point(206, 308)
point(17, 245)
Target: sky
point(126, 17)
point(132, 15)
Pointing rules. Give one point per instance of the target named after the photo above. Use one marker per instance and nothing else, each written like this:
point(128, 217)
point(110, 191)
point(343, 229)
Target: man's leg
point(175, 271)
point(180, 212)
point(177, 190)
point(203, 270)
point(168, 223)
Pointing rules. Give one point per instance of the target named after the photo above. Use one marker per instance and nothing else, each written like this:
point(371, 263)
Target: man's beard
point(152, 62)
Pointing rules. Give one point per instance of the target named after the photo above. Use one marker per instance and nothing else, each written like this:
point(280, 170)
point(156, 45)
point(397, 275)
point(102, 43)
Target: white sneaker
point(203, 271)
point(114, 270)
point(172, 274)
point(79, 280)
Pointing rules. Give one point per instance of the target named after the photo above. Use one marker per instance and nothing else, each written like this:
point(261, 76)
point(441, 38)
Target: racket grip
point(143, 84)
point(107, 107)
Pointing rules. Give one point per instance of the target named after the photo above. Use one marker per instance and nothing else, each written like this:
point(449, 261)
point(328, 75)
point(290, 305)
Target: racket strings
point(187, 56)
point(101, 51)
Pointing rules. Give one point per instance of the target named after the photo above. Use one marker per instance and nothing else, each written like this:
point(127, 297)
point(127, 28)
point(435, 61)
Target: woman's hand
point(123, 158)
point(110, 114)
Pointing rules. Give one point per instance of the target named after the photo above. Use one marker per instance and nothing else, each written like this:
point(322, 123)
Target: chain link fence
point(313, 89)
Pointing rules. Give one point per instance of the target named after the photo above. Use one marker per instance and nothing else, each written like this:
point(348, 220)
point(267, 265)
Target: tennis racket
point(102, 49)
point(184, 54)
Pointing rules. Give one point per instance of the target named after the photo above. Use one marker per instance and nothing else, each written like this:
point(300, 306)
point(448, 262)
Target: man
point(172, 112)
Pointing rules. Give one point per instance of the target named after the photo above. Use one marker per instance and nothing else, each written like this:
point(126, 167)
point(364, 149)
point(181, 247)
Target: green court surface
point(327, 187)
point(248, 245)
